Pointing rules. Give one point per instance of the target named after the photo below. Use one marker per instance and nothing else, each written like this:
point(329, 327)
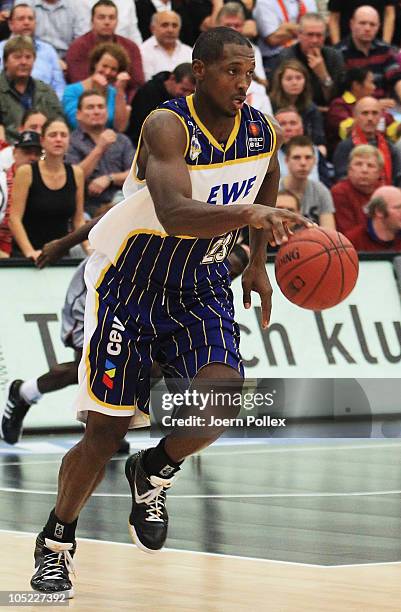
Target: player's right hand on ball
point(277, 222)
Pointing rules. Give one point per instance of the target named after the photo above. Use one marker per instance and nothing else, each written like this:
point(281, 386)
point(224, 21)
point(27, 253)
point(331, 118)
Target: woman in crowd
point(108, 63)
point(291, 87)
point(47, 196)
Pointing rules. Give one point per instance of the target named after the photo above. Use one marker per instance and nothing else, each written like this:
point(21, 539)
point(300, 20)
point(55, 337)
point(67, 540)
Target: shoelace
point(53, 569)
point(155, 499)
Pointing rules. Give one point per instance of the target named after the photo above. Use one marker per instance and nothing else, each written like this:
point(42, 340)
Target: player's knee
point(103, 434)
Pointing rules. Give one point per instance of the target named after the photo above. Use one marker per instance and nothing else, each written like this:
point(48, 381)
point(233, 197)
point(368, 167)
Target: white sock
point(29, 391)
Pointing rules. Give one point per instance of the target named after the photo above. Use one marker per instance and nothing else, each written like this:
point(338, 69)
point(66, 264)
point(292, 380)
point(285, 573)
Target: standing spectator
point(26, 150)
point(104, 156)
point(340, 14)
point(164, 50)
point(163, 86)
point(104, 23)
point(58, 22)
point(18, 90)
point(382, 232)
point(367, 115)
point(291, 87)
point(277, 24)
point(47, 65)
point(47, 194)
point(127, 25)
point(324, 64)
point(108, 65)
point(352, 193)
point(315, 198)
point(291, 125)
point(362, 49)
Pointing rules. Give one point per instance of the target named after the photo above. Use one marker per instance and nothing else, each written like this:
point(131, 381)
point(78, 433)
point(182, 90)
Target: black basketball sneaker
point(14, 414)
point(53, 566)
point(148, 521)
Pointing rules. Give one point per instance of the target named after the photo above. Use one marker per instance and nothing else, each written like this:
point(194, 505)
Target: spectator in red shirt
point(104, 23)
point(382, 231)
point(351, 194)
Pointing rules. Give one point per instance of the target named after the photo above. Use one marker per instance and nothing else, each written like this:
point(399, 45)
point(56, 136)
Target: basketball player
point(158, 289)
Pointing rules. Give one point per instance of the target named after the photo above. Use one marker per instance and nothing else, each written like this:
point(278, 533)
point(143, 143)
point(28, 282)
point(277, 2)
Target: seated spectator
point(127, 25)
point(164, 50)
point(362, 49)
point(104, 156)
point(315, 198)
point(358, 83)
point(291, 124)
point(324, 64)
point(108, 68)
point(104, 23)
point(340, 15)
point(352, 193)
point(18, 90)
point(58, 22)
point(382, 231)
point(162, 87)
point(367, 114)
point(288, 201)
point(277, 24)
point(46, 66)
point(46, 195)
point(291, 87)
point(32, 121)
point(26, 150)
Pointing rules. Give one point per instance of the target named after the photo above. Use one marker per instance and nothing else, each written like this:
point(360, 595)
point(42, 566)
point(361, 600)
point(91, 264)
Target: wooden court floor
point(293, 526)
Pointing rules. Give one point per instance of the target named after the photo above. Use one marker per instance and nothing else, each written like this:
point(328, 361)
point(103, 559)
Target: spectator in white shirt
point(163, 50)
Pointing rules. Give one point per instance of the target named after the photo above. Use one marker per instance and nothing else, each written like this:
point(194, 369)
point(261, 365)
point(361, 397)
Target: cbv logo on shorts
point(231, 193)
point(113, 348)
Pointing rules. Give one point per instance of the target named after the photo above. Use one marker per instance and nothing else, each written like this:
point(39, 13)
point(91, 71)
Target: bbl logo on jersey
point(195, 149)
point(256, 138)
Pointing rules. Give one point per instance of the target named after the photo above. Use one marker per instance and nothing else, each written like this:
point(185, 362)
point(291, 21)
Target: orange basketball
point(317, 268)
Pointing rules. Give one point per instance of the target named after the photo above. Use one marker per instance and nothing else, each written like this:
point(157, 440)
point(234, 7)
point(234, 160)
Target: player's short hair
point(103, 3)
point(183, 71)
point(298, 141)
point(18, 43)
point(364, 150)
point(231, 9)
point(375, 205)
point(209, 47)
point(87, 94)
point(113, 49)
point(22, 5)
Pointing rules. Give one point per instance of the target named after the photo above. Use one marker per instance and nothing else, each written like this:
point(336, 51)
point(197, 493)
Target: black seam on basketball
point(319, 281)
point(304, 261)
point(348, 247)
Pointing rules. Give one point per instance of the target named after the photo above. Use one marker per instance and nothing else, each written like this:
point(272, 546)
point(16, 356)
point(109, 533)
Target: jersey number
point(218, 251)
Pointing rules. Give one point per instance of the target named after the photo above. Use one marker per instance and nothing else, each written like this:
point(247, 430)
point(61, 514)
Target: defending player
point(158, 288)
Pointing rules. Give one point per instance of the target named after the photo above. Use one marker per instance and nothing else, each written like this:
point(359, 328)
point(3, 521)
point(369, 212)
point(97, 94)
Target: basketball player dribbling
point(158, 289)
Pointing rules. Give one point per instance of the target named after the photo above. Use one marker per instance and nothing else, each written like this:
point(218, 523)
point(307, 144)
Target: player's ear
point(198, 69)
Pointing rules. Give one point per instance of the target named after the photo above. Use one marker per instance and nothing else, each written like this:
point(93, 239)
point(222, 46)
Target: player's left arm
point(255, 276)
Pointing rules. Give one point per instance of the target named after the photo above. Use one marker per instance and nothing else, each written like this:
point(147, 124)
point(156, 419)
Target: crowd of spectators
point(79, 77)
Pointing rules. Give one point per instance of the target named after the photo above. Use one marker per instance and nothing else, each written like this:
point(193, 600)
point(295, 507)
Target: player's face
point(287, 202)
point(104, 20)
point(300, 162)
point(56, 139)
point(311, 36)
point(23, 21)
point(365, 25)
point(108, 67)
point(226, 81)
point(364, 172)
point(291, 124)
point(292, 82)
point(93, 112)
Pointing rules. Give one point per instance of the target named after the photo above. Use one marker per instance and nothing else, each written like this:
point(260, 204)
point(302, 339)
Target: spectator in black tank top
point(46, 195)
